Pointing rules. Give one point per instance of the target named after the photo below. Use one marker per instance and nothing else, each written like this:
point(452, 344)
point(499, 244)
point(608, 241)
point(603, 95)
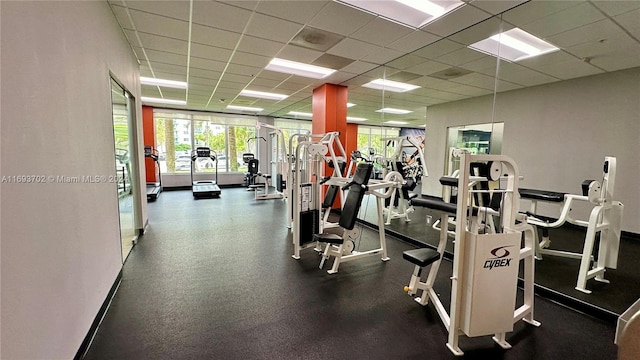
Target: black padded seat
point(436, 204)
point(421, 257)
point(543, 195)
point(449, 181)
point(328, 238)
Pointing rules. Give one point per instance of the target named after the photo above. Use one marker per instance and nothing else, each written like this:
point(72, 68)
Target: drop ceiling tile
point(242, 70)
point(214, 37)
point(297, 11)
point(300, 54)
point(630, 22)
point(160, 25)
point(251, 60)
point(405, 62)
point(173, 9)
point(239, 79)
point(206, 82)
point(359, 67)
point(526, 77)
point(203, 74)
point(341, 19)
point(254, 45)
point(547, 59)
point(272, 75)
point(268, 27)
point(455, 21)
point(219, 15)
point(480, 31)
point(535, 10)
point(413, 41)
point(163, 43)
point(614, 54)
point(210, 52)
point(168, 68)
point(496, 7)
point(564, 20)
point(353, 49)
point(485, 65)
point(477, 80)
point(569, 69)
point(438, 49)
point(460, 56)
point(206, 64)
point(151, 91)
point(263, 83)
point(121, 14)
point(382, 56)
point(470, 91)
point(200, 89)
point(381, 32)
point(132, 38)
point(594, 49)
point(166, 57)
point(427, 67)
point(614, 62)
point(613, 8)
point(589, 33)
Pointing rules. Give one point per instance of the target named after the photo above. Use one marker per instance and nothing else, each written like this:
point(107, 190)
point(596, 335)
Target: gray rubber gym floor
point(214, 279)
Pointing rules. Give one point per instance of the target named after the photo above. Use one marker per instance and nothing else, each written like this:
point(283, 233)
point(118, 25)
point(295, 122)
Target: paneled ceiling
point(222, 47)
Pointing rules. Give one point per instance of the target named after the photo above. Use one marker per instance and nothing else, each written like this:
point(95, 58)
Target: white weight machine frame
point(380, 189)
point(282, 167)
point(474, 309)
point(404, 207)
point(315, 154)
point(605, 217)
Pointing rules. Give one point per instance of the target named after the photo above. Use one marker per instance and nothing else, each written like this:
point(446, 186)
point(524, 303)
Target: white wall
point(558, 133)
point(60, 242)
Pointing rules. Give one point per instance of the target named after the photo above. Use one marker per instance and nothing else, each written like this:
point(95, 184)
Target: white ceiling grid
point(225, 46)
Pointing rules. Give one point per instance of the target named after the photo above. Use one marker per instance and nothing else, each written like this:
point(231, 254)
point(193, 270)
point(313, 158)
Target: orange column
point(329, 104)
point(149, 139)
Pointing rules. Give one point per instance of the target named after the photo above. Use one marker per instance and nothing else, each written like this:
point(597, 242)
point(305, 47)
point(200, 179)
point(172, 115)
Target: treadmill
point(204, 188)
point(153, 188)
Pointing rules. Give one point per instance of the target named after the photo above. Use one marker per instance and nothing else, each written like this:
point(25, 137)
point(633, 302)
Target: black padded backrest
point(362, 174)
point(330, 196)
point(253, 166)
point(351, 206)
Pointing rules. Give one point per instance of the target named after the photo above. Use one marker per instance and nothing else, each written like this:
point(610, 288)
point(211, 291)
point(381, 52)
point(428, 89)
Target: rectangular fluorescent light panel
point(163, 82)
point(163, 101)
point(388, 85)
point(393, 122)
point(351, 118)
point(394, 111)
point(412, 13)
point(350, 104)
point(244, 108)
point(513, 45)
point(301, 69)
point(298, 113)
point(263, 95)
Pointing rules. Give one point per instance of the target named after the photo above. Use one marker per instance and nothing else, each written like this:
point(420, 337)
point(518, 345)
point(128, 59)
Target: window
point(177, 134)
point(370, 139)
point(292, 127)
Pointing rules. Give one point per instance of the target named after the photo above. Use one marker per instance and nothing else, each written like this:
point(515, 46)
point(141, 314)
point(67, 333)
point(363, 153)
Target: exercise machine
point(604, 223)
point(308, 226)
point(412, 168)
point(155, 188)
point(485, 260)
point(204, 158)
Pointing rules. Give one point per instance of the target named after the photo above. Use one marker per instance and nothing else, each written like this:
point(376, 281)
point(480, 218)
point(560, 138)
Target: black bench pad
point(421, 257)
point(328, 238)
point(543, 195)
point(436, 204)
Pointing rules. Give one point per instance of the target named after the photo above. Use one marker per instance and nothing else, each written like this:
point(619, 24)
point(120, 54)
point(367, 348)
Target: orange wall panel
point(149, 139)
